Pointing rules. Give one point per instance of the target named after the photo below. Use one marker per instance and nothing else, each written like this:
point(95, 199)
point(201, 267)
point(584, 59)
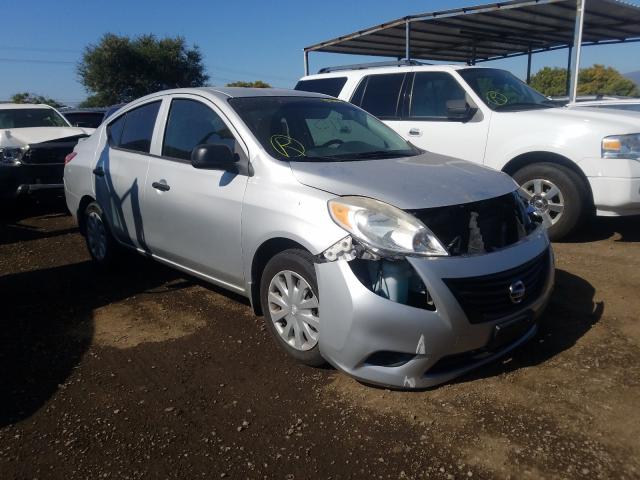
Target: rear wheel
point(289, 298)
point(557, 195)
point(100, 243)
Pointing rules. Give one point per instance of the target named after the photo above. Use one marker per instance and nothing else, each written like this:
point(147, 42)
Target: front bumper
point(357, 323)
point(24, 178)
point(615, 184)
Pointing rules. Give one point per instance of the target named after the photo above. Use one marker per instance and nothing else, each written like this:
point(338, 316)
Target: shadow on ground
point(37, 351)
point(601, 228)
point(570, 314)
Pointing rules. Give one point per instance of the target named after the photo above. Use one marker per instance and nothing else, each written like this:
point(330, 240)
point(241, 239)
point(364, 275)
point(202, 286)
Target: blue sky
point(42, 40)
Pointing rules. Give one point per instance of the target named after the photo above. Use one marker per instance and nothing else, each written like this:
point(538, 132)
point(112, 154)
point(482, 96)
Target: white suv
point(569, 162)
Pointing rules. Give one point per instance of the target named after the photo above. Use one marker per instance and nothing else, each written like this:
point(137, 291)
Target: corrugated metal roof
point(492, 31)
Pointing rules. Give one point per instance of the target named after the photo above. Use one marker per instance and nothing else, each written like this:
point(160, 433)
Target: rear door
point(382, 95)
point(425, 122)
point(192, 216)
point(121, 172)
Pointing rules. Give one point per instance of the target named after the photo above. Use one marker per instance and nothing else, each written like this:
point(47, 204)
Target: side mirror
point(213, 156)
point(460, 110)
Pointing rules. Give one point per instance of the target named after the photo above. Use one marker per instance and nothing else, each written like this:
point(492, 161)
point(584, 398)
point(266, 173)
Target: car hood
point(423, 181)
point(18, 137)
point(608, 122)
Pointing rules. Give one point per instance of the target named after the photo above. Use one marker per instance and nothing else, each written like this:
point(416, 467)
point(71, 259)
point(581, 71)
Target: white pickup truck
point(569, 162)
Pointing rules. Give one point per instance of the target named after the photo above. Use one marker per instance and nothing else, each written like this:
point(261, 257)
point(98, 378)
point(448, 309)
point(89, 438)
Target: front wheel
point(557, 195)
point(289, 299)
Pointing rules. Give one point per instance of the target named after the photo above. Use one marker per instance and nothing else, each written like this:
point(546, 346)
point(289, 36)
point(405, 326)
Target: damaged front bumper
point(16, 180)
point(387, 343)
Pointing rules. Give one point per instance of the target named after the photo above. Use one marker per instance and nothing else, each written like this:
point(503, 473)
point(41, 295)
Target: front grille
point(49, 152)
point(478, 227)
point(487, 297)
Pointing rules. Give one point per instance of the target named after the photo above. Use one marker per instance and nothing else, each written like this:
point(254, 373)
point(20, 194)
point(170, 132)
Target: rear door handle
point(161, 186)
point(98, 172)
point(415, 132)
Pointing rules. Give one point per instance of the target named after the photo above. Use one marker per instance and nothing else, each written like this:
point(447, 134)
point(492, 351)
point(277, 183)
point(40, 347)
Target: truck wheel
point(557, 194)
point(102, 247)
point(289, 298)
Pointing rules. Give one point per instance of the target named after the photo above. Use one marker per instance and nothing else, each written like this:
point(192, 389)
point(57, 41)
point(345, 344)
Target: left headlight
point(621, 146)
point(11, 155)
point(383, 228)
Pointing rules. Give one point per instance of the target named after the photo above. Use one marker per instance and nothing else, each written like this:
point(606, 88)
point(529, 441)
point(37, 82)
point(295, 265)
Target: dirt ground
point(146, 373)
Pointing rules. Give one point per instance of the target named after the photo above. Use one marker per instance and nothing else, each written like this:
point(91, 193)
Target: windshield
point(503, 91)
point(30, 117)
point(318, 129)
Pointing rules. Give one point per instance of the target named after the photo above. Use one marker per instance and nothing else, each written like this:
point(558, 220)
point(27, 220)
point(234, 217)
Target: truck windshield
point(318, 129)
point(502, 91)
point(30, 117)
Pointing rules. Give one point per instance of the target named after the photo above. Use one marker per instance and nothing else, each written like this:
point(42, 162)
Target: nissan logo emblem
point(516, 291)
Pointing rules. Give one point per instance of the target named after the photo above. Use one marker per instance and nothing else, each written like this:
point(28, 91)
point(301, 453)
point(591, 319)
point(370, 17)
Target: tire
point(564, 211)
point(103, 248)
point(292, 320)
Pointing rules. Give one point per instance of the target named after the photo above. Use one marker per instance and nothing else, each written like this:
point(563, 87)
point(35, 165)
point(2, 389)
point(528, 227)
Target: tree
point(595, 80)
point(256, 84)
point(27, 97)
point(119, 69)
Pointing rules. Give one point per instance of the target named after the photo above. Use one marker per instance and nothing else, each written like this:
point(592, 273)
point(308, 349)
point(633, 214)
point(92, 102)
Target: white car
point(568, 161)
point(34, 141)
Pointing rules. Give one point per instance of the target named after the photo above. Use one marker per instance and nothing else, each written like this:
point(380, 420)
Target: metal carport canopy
point(494, 31)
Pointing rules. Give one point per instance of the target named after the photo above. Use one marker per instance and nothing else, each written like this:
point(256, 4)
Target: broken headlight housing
point(11, 155)
point(383, 229)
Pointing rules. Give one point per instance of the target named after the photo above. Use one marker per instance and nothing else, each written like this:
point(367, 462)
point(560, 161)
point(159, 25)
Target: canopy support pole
point(529, 65)
point(568, 79)
point(407, 40)
point(306, 63)
point(577, 43)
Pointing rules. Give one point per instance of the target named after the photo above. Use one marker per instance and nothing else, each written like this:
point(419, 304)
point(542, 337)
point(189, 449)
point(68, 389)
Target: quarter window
point(138, 128)
point(329, 86)
point(192, 123)
point(114, 131)
point(379, 94)
point(430, 94)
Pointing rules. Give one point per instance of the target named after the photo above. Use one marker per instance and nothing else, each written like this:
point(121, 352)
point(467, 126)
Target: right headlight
point(621, 146)
point(383, 228)
point(11, 155)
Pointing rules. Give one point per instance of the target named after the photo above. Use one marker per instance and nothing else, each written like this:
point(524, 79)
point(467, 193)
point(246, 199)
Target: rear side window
point(137, 130)
point(193, 123)
point(430, 94)
point(380, 94)
point(328, 86)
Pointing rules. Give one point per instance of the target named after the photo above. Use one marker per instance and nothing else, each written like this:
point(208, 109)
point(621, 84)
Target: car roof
point(392, 69)
point(12, 106)
point(240, 92)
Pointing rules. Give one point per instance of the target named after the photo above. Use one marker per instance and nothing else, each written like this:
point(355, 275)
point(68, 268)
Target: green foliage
point(595, 80)
point(256, 84)
point(27, 97)
point(120, 69)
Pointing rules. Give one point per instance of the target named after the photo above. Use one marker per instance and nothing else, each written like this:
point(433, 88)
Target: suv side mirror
point(460, 110)
point(213, 156)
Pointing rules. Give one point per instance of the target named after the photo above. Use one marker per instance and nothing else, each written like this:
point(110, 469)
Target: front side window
point(137, 130)
point(318, 129)
point(430, 94)
point(503, 91)
point(329, 86)
point(30, 117)
point(379, 94)
point(192, 123)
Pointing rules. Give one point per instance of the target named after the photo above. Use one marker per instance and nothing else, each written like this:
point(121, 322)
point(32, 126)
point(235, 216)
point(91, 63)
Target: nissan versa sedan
point(399, 267)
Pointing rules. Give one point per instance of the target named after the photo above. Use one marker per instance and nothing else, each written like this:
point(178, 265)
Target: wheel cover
point(545, 198)
point(96, 236)
point(293, 308)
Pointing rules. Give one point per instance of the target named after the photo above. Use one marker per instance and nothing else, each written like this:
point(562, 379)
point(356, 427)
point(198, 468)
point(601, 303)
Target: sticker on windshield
point(497, 98)
point(287, 146)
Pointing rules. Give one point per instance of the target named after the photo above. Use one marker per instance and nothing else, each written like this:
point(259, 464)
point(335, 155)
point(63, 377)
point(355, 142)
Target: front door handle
point(415, 132)
point(163, 187)
point(98, 172)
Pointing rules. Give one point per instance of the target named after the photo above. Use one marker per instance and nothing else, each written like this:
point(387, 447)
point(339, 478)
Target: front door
point(426, 125)
point(193, 216)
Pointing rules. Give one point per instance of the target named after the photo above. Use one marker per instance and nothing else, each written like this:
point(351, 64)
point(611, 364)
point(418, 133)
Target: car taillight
point(69, 157)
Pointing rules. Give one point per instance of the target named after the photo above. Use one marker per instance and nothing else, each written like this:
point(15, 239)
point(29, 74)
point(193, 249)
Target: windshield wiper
point(523, 104)
point(376, 154)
